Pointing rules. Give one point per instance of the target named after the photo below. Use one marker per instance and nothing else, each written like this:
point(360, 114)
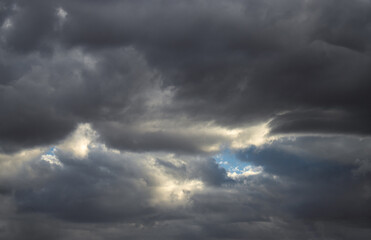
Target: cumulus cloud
point(116, 117)
point(284, 192)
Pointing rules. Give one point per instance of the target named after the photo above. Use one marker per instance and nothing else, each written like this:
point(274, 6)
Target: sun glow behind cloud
point(168, 191)
point(79, 142)
point(185, 119)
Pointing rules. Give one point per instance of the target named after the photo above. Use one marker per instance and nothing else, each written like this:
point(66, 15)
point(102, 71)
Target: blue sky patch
point(228, 160)
point(51, 151)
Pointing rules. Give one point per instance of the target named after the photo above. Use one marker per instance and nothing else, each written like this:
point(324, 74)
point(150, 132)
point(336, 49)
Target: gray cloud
point(321, 187)
point(111, 194)
point(105, 186)
point(234, 63)
point(170, 83)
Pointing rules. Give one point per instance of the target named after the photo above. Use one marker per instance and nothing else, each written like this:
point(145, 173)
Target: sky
point(185, 119)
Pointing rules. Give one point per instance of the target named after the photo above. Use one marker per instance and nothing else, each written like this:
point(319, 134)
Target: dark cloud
point(206, 170)
point(32, 26)
point(304, 64)
point(318, 188)
point(5, 10)
point(43, 106)
point(102, 188)
point(132, 138)
point(298, 195)
point(174, 81)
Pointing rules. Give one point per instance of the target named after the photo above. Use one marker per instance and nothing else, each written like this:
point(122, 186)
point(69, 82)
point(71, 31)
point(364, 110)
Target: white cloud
point(51, 158)
point(7, 24)
point(61, 13)
point(247, 171)
point(79, 142)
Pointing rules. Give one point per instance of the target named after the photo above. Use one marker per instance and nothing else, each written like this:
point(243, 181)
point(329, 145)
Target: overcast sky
point(185, 119)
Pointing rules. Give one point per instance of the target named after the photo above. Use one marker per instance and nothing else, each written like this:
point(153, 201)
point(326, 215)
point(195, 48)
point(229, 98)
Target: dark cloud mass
point(116, 118)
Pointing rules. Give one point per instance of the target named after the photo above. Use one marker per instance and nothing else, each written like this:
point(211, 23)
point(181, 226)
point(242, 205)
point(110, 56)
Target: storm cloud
point(116, 118)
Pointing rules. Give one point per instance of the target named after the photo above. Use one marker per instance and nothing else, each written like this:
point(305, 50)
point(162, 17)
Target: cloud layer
point(115, 117)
